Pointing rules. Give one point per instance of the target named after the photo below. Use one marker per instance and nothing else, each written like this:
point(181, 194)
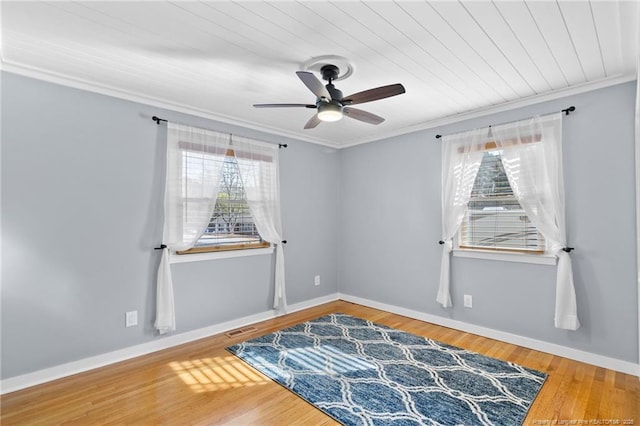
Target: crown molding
point(91, 86)
point(506, 106)
point(66, 80)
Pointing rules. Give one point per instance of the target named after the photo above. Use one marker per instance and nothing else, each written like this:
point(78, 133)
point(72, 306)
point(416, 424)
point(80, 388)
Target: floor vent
point(240, 331)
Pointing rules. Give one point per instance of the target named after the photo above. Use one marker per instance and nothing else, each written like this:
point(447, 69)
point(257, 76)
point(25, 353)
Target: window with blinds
point(494, 219)
point(231, 226)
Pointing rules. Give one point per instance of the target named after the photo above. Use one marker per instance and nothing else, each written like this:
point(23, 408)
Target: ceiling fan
point(330, 103)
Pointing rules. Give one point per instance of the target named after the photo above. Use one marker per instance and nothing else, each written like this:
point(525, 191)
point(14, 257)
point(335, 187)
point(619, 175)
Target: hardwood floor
point(200, 383)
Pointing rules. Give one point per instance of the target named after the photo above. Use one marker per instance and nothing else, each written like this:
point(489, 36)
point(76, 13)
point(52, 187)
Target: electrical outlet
point(316, 280)
point(131, 319)
point(468, 301)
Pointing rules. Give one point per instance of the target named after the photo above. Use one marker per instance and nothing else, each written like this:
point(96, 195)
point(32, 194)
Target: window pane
point(231, 222)
point(494, 218)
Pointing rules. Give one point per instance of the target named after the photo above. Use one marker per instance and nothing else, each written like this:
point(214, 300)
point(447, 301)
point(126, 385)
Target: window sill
point(539, 259)
point(213, 255)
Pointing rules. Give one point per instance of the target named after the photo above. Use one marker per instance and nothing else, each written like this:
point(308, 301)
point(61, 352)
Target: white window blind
point(494, 219)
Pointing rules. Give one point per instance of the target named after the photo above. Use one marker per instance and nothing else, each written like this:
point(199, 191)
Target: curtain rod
point(566, 112)
point(158, 120)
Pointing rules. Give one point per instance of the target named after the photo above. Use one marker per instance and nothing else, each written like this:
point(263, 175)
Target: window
point(478, 203)
point(231, 226)
point(494, 219)
point(204, 168)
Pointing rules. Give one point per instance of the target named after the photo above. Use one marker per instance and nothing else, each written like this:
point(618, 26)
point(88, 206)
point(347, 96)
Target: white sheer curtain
point(531, 152)
point(461, 157)
point(259, 171)
point(194, 162)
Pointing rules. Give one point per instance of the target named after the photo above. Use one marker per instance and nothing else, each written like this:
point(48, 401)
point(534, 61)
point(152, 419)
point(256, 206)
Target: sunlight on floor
point(214, 374)
point(326, 358)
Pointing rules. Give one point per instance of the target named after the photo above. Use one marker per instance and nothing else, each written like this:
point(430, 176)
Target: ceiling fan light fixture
point(330, 112)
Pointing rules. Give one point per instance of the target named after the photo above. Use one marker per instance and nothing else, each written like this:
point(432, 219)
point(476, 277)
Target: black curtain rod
point(566, 112)
point(158, 120)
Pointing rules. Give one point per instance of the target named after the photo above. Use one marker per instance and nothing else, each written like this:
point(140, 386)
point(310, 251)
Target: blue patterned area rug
point(361, 373)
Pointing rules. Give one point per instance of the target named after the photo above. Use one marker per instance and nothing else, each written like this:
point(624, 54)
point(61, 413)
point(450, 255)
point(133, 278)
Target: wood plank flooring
point(200, 383)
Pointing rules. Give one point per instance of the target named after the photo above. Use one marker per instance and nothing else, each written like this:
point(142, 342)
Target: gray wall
point(82, 177)
point(82, 183)
point(391, 222)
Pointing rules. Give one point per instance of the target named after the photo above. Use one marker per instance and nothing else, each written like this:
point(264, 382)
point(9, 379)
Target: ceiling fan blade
point(313, 122)
point(374, 94)
point(315, 85)
point(283, 105)
point(361, 115)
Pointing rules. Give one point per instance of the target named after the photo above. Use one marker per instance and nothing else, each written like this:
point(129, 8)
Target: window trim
point(215, 255)
point(538, 258)
point(229, 247)
point(491, 145)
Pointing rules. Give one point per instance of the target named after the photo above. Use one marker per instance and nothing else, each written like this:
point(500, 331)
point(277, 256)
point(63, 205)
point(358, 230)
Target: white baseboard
point(539, 345)
point(13, 384)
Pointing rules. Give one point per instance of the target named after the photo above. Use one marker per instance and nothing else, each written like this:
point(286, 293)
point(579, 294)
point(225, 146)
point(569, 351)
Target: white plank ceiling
point(216, 59)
